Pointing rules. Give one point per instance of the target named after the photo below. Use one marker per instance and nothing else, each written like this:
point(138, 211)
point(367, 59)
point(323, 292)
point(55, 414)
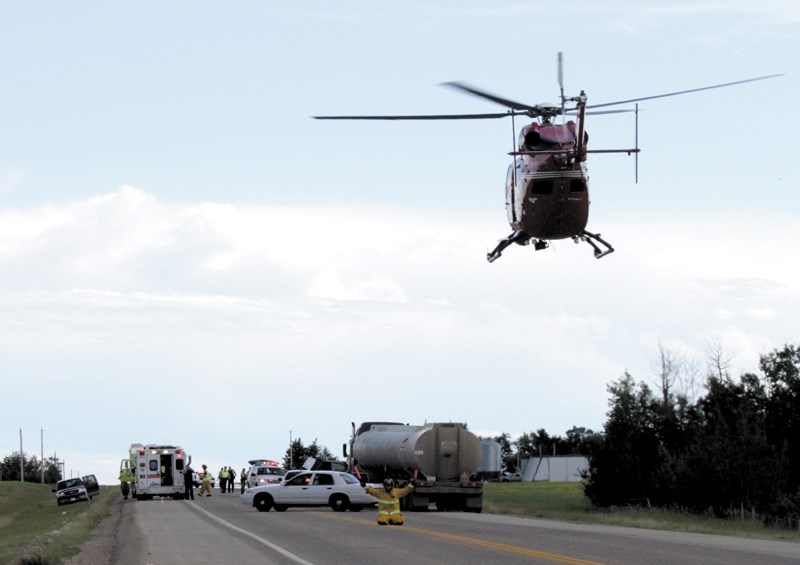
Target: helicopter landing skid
point(593, 239)
point(519, 237)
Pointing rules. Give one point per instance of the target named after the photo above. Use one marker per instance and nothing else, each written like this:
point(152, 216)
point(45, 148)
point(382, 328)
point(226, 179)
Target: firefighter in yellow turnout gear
point(389, 501)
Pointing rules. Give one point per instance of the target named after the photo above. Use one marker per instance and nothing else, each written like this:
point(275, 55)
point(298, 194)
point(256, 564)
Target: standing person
point(223, 479)
point(389, 501)
point(126, 476)
point(188, 482)
point(231, 478)
point(243, 479)
point(205, 485)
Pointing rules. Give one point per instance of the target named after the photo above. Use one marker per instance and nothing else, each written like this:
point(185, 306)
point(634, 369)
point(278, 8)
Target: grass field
point(34, 529)
point(565, 501)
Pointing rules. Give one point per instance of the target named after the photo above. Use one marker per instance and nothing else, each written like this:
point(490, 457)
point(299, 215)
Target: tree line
point(576, 441)
point(297, 453)
point(31, 469)
point(734, 451)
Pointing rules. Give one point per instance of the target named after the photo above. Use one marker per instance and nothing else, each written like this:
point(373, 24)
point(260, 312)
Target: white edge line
point(285, 552)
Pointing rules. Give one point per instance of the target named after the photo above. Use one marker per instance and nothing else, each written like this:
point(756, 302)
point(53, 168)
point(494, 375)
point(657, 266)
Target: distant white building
point(554, 468)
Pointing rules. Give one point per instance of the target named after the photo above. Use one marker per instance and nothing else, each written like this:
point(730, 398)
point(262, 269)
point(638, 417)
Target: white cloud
point(762, 313)
point(328, 284)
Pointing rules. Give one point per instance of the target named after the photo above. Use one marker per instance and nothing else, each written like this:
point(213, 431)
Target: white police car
point(341, 491)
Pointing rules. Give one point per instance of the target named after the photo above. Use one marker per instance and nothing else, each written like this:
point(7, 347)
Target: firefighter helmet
point(388, 484)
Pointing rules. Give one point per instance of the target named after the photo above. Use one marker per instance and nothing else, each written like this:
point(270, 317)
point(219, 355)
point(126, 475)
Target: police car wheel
point(339, 502)
point(263, 502)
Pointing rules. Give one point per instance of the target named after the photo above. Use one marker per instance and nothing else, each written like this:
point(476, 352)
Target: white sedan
point(340, 491)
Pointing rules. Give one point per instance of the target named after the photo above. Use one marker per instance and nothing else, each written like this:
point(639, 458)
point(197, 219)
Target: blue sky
point(215, 269)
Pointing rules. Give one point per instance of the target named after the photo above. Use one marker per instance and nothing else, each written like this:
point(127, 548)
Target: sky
point(187, 258)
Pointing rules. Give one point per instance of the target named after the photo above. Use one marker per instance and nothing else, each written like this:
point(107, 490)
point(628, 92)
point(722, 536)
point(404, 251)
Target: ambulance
point(155, 470)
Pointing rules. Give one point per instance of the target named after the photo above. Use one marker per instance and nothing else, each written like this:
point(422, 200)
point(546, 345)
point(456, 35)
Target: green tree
point(731, 464)
point(297, 453)
point(781, 370)
point(736, 449)
point(623, 468)
point(10, 468)
point(526, 444)
point(583, 441)
point(507, 456)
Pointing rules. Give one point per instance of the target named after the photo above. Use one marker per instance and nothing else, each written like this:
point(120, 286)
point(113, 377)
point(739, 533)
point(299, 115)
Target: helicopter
point(547, 183)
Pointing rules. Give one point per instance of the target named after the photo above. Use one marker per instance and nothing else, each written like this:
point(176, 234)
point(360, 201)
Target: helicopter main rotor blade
point(682, 92)
point(516, 108)
point(494, 98)
point(420, 117)
point(600, 112)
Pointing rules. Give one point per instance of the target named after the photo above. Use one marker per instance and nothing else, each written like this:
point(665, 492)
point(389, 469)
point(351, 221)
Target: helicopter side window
point(541, 187)
point(577, 185)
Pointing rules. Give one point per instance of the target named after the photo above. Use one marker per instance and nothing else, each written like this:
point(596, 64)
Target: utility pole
point(291, 451)
point(42, 453)
point(21, 459)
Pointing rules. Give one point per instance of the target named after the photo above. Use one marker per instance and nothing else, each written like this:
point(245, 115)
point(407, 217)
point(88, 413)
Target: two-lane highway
point(220, 529)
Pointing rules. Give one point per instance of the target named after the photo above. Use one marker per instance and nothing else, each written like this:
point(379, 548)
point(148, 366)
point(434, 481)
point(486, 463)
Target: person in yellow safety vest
point(389, 501)
point(125, 476)
point(224, 475)
point(205, 485)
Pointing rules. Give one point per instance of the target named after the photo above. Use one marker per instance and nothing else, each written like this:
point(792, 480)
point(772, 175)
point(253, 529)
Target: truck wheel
point(339, 503)
point(263, 502)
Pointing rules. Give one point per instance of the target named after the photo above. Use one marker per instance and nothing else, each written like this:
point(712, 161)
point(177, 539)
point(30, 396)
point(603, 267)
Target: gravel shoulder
point(106, 543)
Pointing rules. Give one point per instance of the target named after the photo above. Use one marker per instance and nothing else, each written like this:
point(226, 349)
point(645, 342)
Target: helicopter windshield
point(534, 135)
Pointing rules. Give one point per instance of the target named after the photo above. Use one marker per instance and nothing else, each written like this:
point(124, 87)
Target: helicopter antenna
point(636, 140)
point(513, 164)
point(561, 80)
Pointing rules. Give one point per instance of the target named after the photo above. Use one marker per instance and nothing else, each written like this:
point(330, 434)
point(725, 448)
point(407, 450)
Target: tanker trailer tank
point(491, 460)
point(441, 457)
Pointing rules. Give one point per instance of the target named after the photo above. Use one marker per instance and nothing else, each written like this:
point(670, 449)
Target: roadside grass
point(35, 530)
point(565, 501)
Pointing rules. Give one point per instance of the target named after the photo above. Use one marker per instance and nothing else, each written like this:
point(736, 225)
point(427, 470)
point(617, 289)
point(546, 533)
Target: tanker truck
point(441, 458)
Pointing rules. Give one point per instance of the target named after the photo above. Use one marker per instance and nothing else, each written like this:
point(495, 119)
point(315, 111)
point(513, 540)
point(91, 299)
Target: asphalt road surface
point(221, 530)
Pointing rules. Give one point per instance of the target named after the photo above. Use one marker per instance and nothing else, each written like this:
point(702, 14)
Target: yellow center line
point(482, 543)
